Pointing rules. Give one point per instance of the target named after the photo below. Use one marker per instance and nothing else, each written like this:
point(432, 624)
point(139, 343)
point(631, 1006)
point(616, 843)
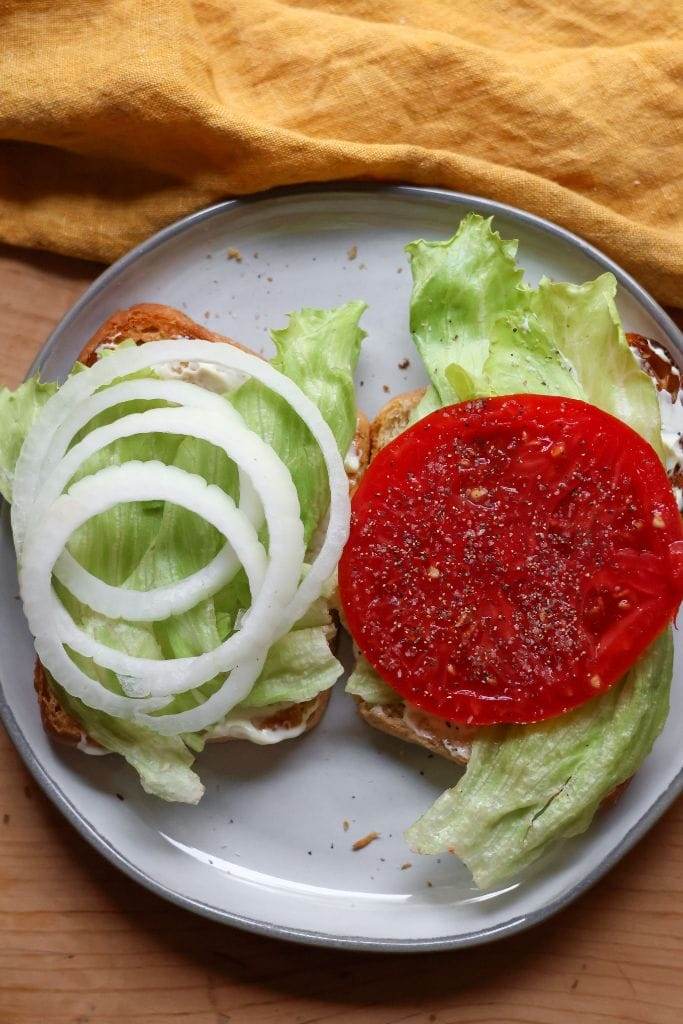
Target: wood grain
point(81, 944)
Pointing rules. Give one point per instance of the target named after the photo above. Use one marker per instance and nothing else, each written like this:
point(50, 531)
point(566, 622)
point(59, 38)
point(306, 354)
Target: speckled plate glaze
point(266, 849)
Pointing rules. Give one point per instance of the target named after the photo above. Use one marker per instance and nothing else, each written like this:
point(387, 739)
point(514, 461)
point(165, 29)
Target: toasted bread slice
point(452, 740)
point(392, 419)
point(144, 323)
point(447, 739)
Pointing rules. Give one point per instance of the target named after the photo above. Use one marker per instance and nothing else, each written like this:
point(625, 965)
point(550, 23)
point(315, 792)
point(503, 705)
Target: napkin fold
point(118, 116)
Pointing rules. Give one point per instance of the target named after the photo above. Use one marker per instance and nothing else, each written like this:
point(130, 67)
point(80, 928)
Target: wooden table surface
point(81, 944)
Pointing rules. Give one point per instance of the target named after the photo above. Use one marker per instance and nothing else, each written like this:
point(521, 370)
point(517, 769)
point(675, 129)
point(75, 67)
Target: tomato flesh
point(510, 558)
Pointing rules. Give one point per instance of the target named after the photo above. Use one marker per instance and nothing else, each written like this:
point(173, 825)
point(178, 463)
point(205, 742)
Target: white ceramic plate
point(266, 849)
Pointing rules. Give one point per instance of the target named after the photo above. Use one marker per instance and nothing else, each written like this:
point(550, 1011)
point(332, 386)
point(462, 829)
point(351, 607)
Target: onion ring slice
point(240, 445)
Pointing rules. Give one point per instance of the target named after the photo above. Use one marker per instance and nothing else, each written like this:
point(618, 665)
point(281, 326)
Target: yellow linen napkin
point(117, 116)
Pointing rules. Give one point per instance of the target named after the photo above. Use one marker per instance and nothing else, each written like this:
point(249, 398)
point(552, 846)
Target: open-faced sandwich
point(515, 558)
point(178, 507)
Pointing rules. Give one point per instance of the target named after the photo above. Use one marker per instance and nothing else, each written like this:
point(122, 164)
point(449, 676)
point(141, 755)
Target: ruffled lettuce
point(584, 324)
point(144, 545)
point(461, 287)
point(366, 684)
point(526, 786)
point(18, 410)
point(163, 763)
point(481, 332)
point(318, 350)
point(301, 664)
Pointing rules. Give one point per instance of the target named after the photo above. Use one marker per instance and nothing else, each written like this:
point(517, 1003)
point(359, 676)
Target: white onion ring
point(90, 691)
point(214, 708)
point(146, 481)
point(115, 602)
point(276, 602)
point(242, 446)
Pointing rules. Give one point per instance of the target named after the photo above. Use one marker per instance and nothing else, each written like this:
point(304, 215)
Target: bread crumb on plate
point(360, 844)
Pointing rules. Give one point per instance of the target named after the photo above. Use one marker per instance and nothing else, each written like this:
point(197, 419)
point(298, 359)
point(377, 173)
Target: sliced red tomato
point(510, 558)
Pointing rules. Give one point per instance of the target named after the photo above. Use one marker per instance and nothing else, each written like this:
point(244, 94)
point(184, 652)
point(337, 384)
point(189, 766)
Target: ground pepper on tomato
point(510, 558)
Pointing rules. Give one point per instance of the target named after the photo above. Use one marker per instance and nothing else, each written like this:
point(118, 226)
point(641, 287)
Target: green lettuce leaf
point(522, 359)
point(430, 400)
point(18, 409)
point(366, 684)
point(584, 324)
point(460, 288)
point(528, 786)
point(298, 667)
point(318, 350)
point(163, 763)
point(482, 332)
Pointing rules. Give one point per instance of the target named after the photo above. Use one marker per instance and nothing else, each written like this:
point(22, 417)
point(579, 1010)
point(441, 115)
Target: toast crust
point(389, 718)
point(148, 321)
point(361, 449)
point(56, 722)
point(308, 712)
point(144, 323)
point(390, 421)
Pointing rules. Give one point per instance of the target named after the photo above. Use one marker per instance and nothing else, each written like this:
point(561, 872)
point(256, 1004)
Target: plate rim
point(445, 196)
point(59, 798)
